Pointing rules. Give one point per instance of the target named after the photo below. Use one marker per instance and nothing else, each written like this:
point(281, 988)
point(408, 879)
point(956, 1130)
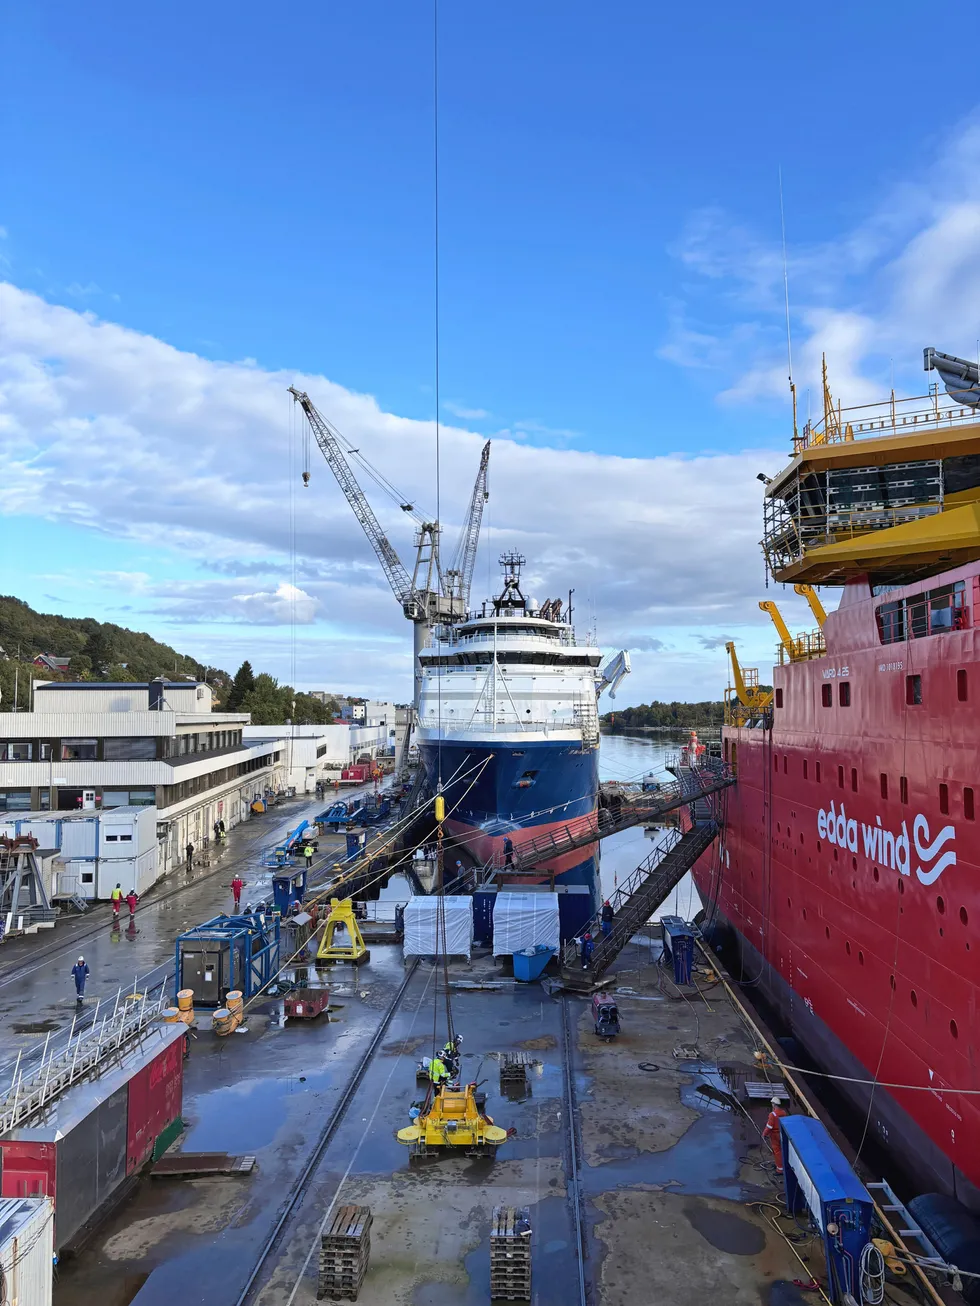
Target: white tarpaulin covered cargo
point(523, 920)
point(424, 927)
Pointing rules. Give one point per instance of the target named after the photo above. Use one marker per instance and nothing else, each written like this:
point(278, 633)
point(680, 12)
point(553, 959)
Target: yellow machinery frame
point(355, 950)
point(452, 1119)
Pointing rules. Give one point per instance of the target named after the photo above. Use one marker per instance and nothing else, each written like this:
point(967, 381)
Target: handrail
point(885, 417)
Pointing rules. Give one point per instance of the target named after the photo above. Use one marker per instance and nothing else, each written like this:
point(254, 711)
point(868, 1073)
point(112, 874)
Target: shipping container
point(26, 1250)
point(83, 1146)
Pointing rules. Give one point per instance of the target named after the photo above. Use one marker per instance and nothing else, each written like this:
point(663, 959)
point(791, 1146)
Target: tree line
point(683, 716)
point(103, 651)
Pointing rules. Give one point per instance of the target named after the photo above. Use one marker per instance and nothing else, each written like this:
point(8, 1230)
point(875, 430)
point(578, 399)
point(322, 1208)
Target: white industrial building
point(317, 754)
point(95, 746)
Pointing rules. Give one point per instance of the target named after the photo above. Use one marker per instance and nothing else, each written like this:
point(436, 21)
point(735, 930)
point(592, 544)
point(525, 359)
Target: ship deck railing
point(885, 417)
point(622, 806)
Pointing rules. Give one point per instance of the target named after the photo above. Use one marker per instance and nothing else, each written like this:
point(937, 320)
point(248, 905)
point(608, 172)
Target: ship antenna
point(789, 334)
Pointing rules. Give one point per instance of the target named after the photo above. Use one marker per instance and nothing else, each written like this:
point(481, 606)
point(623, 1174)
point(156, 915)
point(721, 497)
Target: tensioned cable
point(435, 180)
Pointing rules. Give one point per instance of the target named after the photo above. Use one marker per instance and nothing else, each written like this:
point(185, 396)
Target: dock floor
point(677, 1190)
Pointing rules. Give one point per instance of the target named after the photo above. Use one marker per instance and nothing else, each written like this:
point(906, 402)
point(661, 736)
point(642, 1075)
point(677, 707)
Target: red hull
point(849, 864)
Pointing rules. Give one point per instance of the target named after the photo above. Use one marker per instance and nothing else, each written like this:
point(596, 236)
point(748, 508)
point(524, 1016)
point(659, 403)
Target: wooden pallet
point(345, 1249)
point(510, 1254)
point(513, 1066)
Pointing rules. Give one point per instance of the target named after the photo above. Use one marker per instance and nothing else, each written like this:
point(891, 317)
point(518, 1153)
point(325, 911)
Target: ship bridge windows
point(913, 690)
point(844, 693)
point(968, 808)
point(827, 695)
point(962, 687)
point(930, 613)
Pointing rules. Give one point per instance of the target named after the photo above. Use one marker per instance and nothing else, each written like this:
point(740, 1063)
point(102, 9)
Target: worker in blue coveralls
point(80, 974)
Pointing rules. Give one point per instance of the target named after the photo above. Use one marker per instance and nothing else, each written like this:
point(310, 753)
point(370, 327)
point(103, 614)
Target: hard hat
point(81, 959)
point(776, 1101)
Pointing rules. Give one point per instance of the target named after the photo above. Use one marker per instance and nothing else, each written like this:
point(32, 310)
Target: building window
point(827, 695)
point(844, 693)
point(944, 799)
point(142, 797)
point(913, 690)
point(854, 779)
point(79, 750)
point(779, 698)
point(15, 752)
point(122, 749)
point(44, 751)
point(15, 800)
point(903, 788)
point(961, 686)
point(88, 877)
point(968, 802)
point(884, 785)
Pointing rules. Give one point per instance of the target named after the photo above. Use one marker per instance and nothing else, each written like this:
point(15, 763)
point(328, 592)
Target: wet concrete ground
point(675, 1182)
point(37, 992)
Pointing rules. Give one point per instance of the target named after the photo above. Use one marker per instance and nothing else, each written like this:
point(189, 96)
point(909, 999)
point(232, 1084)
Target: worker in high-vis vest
point(438, 1073)
point(117, 897)
point(773, 1133)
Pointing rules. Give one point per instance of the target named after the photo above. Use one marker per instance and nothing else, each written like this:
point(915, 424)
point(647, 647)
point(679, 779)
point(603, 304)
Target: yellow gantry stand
point(353, 949)
point(453, 1119)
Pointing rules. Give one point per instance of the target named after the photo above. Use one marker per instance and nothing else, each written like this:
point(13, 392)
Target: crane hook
point(306, 478)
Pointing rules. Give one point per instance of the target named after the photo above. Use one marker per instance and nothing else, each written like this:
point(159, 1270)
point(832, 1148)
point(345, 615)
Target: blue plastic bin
point(529, 965)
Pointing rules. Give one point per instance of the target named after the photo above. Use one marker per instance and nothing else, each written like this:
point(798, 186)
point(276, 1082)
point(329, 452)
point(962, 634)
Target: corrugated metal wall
point(27, 1250)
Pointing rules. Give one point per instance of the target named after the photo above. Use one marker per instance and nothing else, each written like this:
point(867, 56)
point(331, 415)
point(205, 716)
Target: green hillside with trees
point(666, 716)
point(100, 650)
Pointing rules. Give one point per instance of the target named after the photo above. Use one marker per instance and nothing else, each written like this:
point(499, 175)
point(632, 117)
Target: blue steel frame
point(254, 943)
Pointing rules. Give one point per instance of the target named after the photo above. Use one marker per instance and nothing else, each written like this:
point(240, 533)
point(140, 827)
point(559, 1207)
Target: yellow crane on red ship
point(816, 607)
point(747, 699)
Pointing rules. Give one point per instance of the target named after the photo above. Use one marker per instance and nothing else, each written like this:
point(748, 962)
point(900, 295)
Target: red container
point(306, 1004)
point(155, 1097)
point(80, 1150)
point(355, 774)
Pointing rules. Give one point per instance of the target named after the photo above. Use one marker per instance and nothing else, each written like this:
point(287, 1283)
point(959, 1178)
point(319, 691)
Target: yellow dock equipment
point(354, 949)
point(452, 1119)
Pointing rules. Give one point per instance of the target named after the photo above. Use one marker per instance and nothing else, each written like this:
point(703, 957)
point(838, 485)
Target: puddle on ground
point(725, 1230)
point(405, 1047)
point(37, 1027)
point(783, 1293)
point(715, 1098)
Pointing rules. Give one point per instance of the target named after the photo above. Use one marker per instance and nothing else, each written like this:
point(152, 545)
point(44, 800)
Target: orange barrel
point(170, 1016)
point(185, 999)
point(223, 1022)
point(233, 1001)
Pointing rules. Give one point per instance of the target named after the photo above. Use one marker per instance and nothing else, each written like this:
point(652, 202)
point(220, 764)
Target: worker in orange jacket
point(772, 1132)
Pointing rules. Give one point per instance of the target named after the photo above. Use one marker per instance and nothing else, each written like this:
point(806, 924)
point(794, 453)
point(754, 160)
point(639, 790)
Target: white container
point(523, 920)
point(434, 925)
point(27, 1250)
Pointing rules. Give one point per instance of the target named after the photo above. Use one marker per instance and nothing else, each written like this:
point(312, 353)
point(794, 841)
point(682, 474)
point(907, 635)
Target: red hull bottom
point(924, 1164)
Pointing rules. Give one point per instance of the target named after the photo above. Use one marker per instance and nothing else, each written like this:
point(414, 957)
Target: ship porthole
point(847, 948)
point(891, 981)
point(913, 997)
point(860, 958)
point(901, 886)
point(874, 872)
point(964, 916)
point(826, 930)
point(941, 905)
point(953, 1030)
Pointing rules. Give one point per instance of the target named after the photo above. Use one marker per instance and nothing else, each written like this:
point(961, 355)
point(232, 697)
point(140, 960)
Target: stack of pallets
point(513, 1067)
point(344, 1250)
point(510, 1254)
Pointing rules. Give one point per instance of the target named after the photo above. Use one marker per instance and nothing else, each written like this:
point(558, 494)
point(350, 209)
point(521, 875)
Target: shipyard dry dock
point(639, 1160)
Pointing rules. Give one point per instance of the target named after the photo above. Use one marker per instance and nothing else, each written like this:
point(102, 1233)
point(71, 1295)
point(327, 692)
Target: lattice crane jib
point(460, 576)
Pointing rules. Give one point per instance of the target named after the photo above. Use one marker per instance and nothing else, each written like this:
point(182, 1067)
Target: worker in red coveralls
point(237, 885)
point(132, 898)
point(772, 1132)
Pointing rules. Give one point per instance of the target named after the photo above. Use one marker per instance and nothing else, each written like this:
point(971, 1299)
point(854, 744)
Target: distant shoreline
point(659, 730)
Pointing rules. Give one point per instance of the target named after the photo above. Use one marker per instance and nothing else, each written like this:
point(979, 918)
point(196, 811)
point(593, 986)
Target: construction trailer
point(27, 1250)
point(83, 1145)
point(225, 954)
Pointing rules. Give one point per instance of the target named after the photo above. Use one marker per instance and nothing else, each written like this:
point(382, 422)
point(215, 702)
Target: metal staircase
point(622, 806)
point(635, 902)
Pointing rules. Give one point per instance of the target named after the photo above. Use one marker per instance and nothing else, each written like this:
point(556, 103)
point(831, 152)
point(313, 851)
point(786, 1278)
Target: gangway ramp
point(621, 807)
point(634, 903)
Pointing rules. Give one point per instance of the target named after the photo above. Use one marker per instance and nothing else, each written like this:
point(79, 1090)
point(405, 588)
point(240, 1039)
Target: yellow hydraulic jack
point(353, 949)
point(452, 1119)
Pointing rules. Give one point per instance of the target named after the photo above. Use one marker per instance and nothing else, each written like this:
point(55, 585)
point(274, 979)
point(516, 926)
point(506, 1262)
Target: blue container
point(678, 940)
point(287, 889)
point(529, 968)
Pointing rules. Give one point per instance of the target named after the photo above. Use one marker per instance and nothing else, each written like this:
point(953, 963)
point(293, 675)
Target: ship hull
point(521, 789)
point(925, 1166)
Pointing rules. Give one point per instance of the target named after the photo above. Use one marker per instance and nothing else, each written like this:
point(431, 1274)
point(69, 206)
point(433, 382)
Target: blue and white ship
point(508, 728)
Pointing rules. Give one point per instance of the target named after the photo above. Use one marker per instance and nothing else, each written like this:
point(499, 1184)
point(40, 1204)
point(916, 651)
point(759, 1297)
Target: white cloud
point(118, 432)
point(907, 275)
point(467, 414)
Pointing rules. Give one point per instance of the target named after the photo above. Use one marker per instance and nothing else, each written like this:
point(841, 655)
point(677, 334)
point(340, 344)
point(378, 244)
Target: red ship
point(848, 871)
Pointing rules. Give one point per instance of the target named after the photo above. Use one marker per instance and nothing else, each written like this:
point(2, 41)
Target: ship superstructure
point(508, 731)
point(849, 867)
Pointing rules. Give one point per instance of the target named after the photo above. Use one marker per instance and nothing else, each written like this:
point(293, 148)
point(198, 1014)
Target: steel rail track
point(334, 1121)
point(572, 1154)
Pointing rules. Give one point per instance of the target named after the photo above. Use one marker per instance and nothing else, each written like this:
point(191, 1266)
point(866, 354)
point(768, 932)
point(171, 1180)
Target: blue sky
point(248, 186)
